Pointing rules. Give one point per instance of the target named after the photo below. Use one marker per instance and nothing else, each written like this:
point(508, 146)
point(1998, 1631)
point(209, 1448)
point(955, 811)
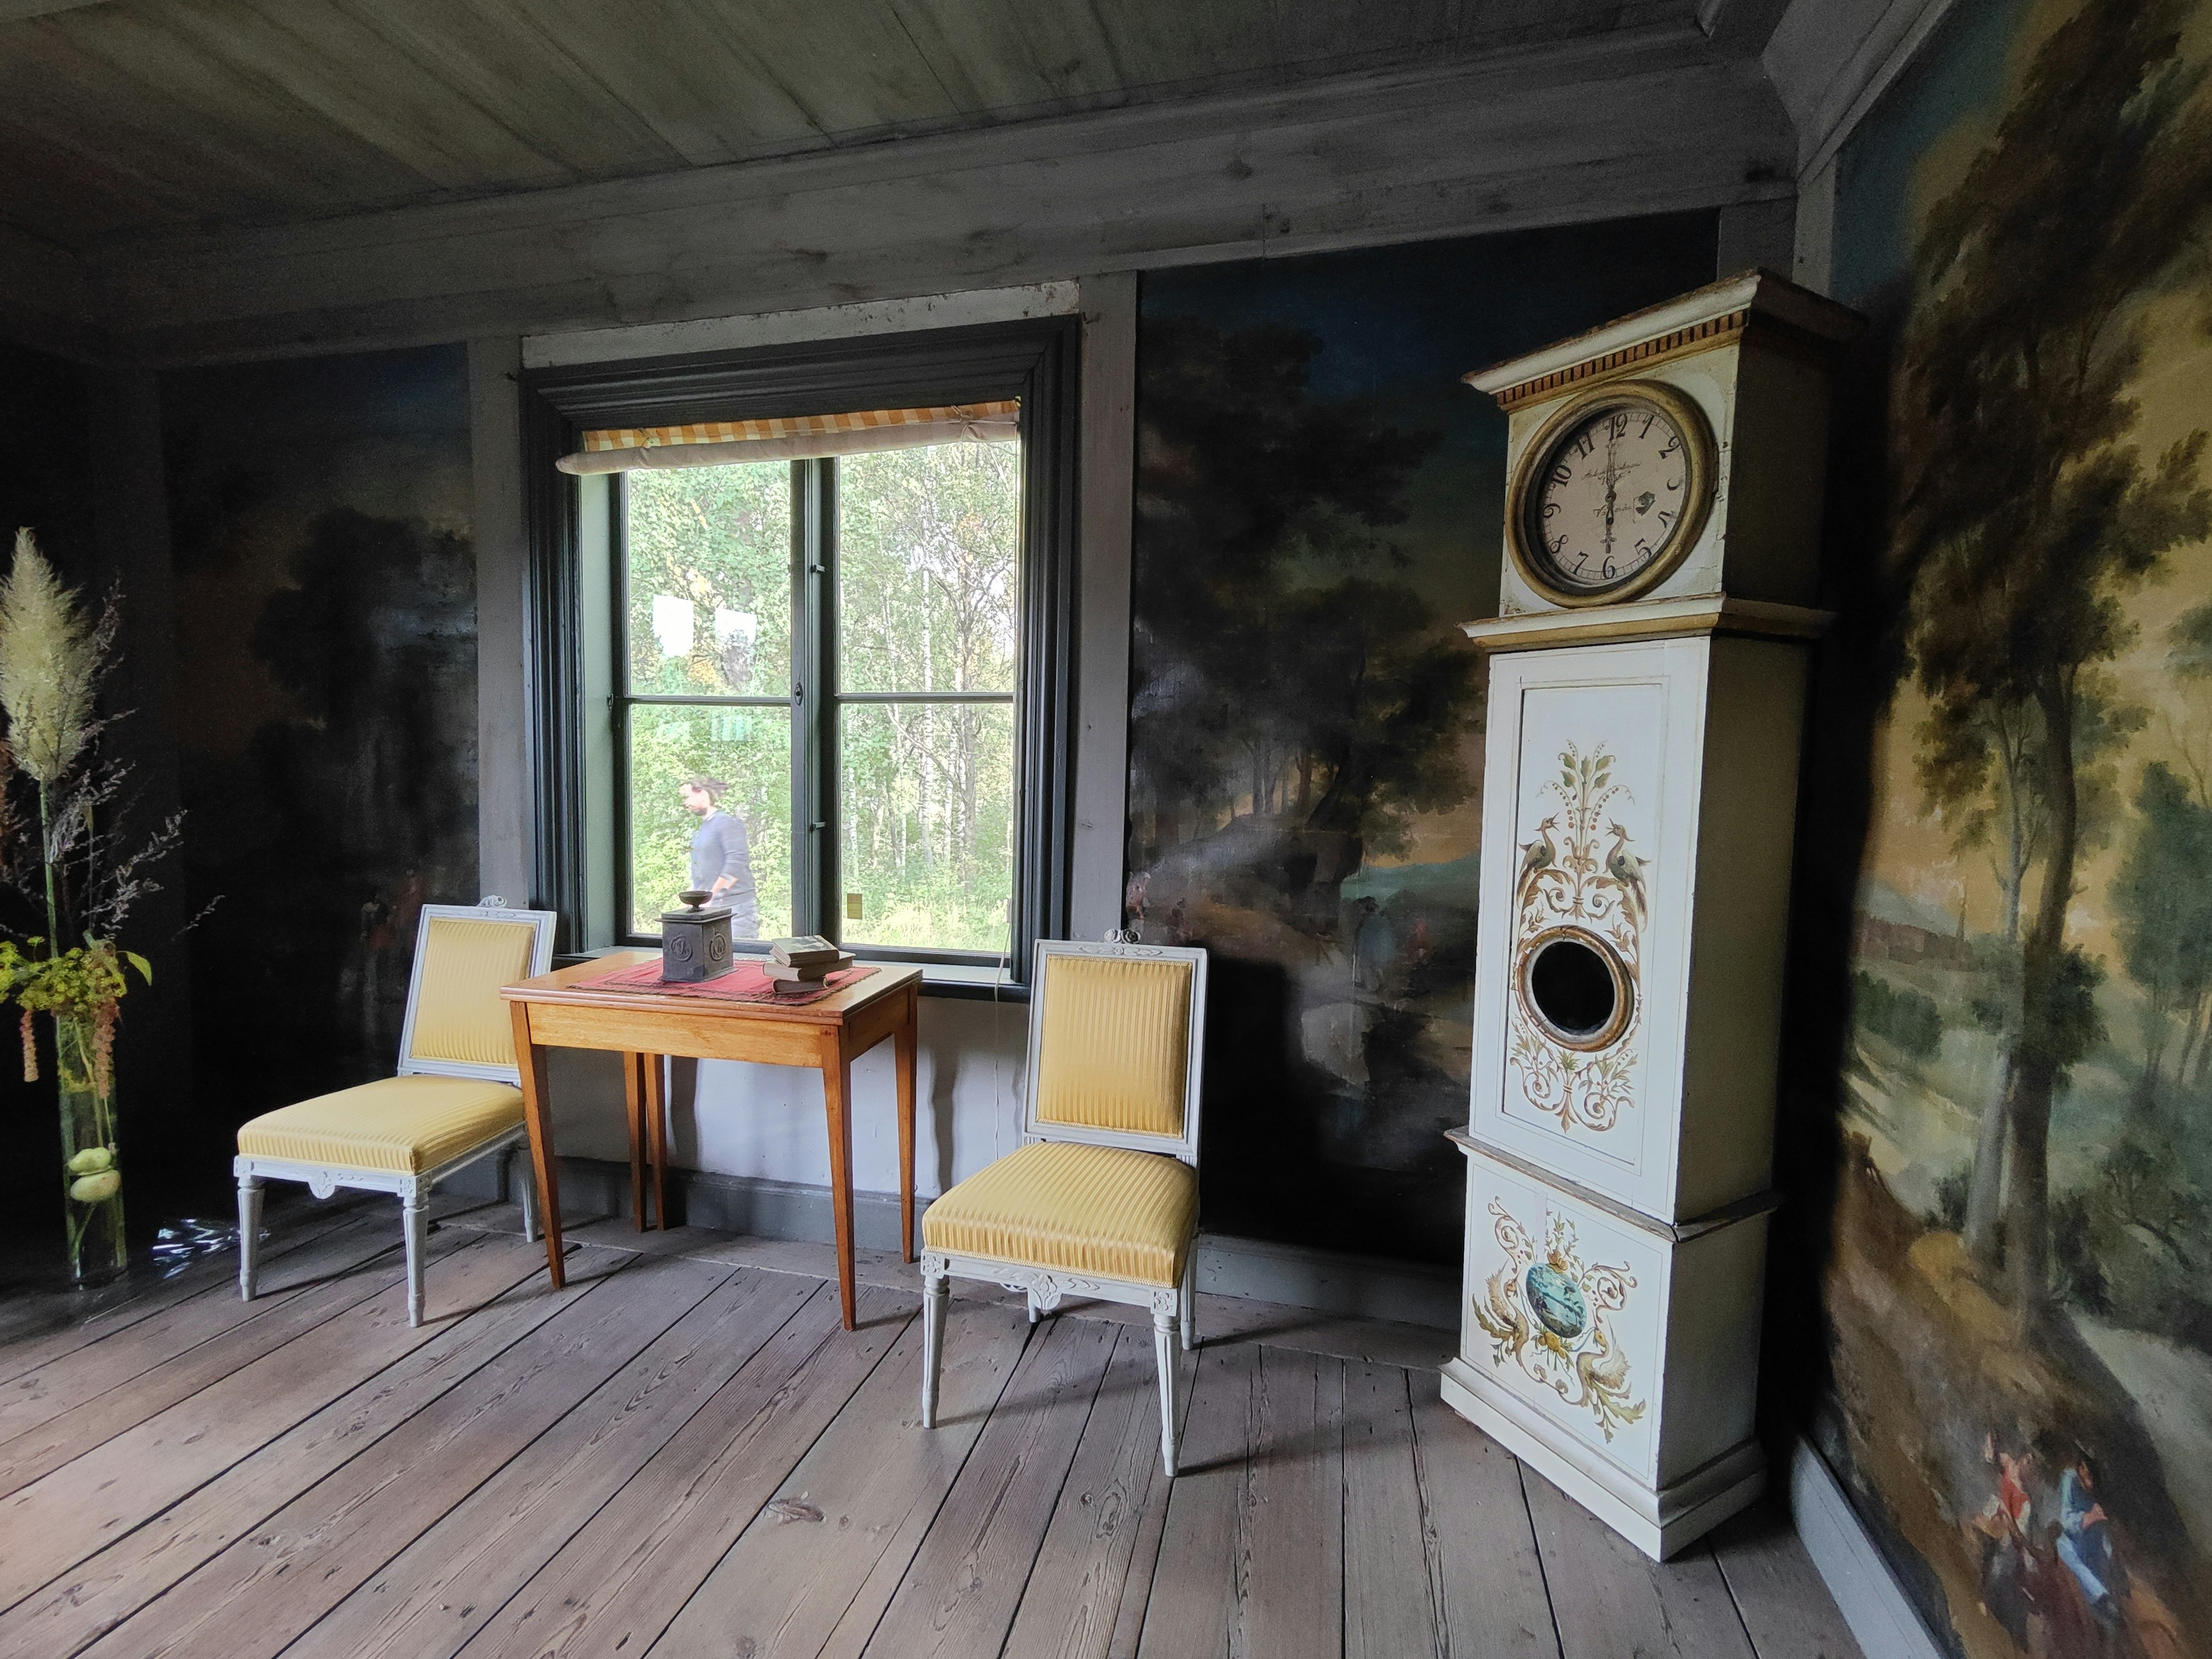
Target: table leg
point(634, 1100)
point(656, 1134)
point(905, 1040)
point(837, 1100)
point(537, 1114)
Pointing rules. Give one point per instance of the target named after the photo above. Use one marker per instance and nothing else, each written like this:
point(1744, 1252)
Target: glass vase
point(92, 1171)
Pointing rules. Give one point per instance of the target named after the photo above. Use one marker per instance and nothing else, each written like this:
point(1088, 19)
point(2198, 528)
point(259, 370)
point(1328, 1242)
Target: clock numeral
point(1646, 432)
point(1562, 474)
point(1608, 571)
point(1673, 485)
point(1643, 548)
point(1667, 518)
point(1616, 424)
point(1550, 508)
point(1557, 547)
point(1671, 444)
point(1582, 444)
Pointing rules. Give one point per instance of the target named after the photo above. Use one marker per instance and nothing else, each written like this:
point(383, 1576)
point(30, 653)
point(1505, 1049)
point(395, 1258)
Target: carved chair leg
point(1164, 1355)
point(1189, 1299)
point(249, 1237)
point(934, 1293)
point(1030, 1297)
point(415, 1215)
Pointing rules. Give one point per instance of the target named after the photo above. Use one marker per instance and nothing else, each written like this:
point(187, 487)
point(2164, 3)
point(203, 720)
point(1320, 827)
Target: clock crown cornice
point(1717, 314)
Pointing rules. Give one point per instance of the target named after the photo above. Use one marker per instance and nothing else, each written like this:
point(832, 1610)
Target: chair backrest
point(457, 1023)
point(1114, 1041)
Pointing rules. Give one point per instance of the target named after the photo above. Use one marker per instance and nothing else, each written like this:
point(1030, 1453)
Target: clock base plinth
point(1617, 1353)
point(1660, 1521)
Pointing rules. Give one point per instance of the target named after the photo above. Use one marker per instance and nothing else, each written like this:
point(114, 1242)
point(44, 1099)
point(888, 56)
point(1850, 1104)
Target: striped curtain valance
point(792, 438)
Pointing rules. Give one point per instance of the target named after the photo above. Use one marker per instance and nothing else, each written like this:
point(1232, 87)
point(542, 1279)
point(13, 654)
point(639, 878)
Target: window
point(872, 651)
point(908, 561)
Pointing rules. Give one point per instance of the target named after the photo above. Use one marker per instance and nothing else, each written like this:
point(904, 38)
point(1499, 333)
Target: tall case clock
point(1647, 673)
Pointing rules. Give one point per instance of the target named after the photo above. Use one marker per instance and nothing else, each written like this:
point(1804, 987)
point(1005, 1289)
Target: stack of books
point(803, 961)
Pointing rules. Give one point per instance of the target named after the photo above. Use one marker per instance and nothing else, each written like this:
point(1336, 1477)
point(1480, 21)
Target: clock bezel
point(1527, 550)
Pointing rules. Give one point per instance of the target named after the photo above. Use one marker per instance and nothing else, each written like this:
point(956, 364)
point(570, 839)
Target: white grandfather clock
point(1647, 677)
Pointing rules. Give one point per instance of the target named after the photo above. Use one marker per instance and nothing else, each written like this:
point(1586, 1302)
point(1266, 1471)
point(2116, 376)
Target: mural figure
point(2021, 1330)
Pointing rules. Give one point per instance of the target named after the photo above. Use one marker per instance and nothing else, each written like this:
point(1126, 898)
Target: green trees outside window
point(861, 654)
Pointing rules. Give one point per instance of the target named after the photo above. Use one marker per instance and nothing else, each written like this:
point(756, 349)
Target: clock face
point(1611, 497)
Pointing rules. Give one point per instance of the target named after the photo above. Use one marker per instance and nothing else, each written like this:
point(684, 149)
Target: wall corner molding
point(1844, 1553)
point(1830, 61)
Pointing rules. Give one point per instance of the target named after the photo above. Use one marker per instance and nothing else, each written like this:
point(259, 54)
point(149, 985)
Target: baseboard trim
point(1844, 1554)
point(1256, 1270)
point(1329, 1281)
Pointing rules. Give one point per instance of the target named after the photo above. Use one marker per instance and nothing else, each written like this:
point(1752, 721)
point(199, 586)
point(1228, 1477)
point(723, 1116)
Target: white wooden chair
point(457, 1098)
point(1101, 1200)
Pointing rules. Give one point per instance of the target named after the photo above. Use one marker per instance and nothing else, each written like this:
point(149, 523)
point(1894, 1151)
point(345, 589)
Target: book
point(805, 972)
point(798, 952)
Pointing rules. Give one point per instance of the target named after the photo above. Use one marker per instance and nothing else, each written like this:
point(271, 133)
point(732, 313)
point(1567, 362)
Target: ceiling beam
point(1642, 122)
point(1742, 27)
point(18, 11)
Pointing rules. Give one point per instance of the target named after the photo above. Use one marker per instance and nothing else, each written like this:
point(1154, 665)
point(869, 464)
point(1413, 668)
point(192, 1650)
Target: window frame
point(577, 817)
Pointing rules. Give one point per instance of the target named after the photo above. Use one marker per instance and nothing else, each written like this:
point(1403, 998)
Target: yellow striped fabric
point(1114, 1050)
point(799, 426)
point(1102, 1210)
point(400, 1125)
point(459, 1015)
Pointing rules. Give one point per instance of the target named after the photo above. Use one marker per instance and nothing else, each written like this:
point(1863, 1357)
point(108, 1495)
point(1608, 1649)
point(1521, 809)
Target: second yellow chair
point(1100, 1201)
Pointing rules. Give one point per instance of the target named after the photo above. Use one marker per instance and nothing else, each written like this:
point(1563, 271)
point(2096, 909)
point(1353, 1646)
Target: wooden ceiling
point(121, 118)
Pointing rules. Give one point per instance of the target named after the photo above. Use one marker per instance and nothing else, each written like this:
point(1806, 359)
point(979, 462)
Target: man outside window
point(721, 862)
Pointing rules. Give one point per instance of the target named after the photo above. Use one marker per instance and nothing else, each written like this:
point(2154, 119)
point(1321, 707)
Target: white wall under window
point(765, 1122)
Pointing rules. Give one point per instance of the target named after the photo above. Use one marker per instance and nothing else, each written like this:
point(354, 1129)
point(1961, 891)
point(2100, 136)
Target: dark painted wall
point(326, 652)
point(47, 482)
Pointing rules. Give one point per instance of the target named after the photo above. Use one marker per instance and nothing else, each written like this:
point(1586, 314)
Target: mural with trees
point(1319, 506)
point(2020, 1324)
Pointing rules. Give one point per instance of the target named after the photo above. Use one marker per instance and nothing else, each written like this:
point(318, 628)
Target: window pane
point(926, 557)
point(927, 821)
point(710, 580)
point(747, 749)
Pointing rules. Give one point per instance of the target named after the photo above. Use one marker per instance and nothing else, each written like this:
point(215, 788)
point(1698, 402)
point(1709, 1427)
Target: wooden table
point(558, 1011)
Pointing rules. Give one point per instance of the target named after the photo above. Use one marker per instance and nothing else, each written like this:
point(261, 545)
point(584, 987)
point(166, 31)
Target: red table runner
point(744, 983)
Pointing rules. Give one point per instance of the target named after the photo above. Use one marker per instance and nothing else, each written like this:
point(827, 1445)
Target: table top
point(565, 985)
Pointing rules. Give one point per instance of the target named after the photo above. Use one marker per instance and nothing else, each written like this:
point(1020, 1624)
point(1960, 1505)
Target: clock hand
point(1612, 479)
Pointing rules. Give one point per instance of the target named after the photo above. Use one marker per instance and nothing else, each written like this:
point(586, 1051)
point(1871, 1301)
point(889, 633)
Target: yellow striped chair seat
point(1100, 1212)
point(395, 1126)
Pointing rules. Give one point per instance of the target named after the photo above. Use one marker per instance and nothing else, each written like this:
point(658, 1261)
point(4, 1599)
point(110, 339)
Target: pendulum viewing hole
point(1576, 989)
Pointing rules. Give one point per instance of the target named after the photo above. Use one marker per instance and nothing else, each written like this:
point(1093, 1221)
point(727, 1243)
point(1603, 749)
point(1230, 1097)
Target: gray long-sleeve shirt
point(718, 849)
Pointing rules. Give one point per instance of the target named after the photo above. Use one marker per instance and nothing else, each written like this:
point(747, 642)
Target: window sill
point(963, 982)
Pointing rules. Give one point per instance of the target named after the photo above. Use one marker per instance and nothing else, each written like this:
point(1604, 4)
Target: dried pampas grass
point(51, 658)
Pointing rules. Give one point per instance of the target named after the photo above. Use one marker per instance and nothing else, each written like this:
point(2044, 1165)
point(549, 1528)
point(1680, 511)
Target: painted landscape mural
point(2020, 1291)
point(326, 633)
point(1319, 506)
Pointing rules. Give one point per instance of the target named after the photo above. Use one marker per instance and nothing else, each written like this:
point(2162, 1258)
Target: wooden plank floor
point(683, 1453)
